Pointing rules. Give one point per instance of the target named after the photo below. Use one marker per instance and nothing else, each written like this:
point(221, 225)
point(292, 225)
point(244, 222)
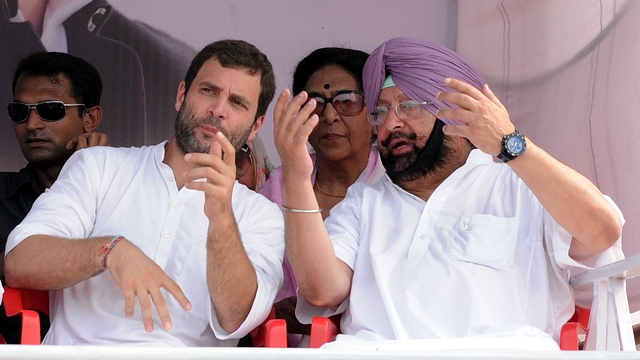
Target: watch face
point(515, 145)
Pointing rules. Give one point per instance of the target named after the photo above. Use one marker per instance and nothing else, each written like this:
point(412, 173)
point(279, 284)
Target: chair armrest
point(30, 328)
point(572, 336)
point(275, 333)
point(324, 330)
point(271, 333)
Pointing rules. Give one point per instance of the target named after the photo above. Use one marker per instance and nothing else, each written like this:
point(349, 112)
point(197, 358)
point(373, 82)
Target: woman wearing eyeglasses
point(341, 144)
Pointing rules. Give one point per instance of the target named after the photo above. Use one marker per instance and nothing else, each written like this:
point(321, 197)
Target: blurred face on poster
point(219, 99)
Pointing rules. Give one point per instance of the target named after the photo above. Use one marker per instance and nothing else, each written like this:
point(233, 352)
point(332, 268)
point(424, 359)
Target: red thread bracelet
point(106, 249)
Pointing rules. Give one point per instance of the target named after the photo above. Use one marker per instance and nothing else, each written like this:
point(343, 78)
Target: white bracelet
point(303, 211)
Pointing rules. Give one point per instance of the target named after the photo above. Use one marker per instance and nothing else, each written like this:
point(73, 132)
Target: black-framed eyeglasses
point(346, 103)
point(405, 110)
point(47, 110)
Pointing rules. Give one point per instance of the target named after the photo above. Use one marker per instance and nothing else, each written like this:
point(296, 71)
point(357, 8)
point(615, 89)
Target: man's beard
point(419, 162)
point(187, 139)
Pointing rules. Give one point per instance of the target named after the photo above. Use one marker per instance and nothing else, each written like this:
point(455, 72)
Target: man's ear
point(255, 128)
point(181, 94)
point(91, 119)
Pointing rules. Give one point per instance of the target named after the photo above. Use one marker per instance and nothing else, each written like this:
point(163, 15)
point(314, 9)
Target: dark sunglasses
point(348, 103)
point(46, 110)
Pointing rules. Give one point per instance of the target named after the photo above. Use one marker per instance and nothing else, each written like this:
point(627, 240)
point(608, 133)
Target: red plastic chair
point(271, 333)
point(572, 334)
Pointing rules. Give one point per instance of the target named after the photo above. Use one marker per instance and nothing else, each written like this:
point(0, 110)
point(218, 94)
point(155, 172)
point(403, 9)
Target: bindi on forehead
point(327, 86)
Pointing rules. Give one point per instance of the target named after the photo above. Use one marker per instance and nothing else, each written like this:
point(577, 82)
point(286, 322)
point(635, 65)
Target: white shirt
point(480, 256)
point(54, 36)
point(105, 191)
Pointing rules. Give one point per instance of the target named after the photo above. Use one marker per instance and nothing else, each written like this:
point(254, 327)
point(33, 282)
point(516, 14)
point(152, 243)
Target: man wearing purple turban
point(451, 243)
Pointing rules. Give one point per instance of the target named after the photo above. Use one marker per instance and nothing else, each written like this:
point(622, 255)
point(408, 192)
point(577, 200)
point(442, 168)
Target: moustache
point(38, 135)
point(397, 135)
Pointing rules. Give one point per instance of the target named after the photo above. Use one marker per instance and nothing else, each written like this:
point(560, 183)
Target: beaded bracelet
point(304, 211)
point(106, 249)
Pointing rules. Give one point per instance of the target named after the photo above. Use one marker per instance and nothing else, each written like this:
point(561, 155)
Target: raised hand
point(293, 123)
point(485, 119)
point(214, 175)
point(139, 276)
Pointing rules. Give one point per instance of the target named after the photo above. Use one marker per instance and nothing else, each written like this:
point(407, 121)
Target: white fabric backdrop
point(568, 72)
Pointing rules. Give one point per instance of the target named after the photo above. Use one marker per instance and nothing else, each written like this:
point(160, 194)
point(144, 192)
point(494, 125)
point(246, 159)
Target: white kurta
point(480, 256)
point(105, 191)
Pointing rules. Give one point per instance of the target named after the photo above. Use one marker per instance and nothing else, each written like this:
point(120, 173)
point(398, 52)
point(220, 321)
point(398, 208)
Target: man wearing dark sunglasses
point(157, 245)
point(54, 113)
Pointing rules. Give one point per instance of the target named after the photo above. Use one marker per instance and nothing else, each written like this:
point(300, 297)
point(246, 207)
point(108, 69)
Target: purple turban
point(418, 68)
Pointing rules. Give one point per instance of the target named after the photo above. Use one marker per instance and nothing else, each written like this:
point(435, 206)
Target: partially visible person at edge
point(55, 110)
point(449, 244)
point(139, 64)
point(253, 165)
point(342, 146)
point(160, 245)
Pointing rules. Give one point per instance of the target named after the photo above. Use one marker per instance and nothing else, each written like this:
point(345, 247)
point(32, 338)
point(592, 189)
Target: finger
point(491, 96)
point(462, 115)
point(93, 139)
point(129, 303)
point(226, 148)
point(145, 307)
point(161, 307)
point(456, 130)
point(464, 88)
point(206, 160)
point(301, 116)
point(212, 176)
point(207, 166)
point(174, 289)
point(72, 144)
point(297, 101)
point(82, 142)
point(103, 140)
point(308, 127)
point(280, 107)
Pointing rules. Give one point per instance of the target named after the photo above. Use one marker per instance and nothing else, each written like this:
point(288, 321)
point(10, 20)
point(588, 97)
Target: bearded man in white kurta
point(450, 243)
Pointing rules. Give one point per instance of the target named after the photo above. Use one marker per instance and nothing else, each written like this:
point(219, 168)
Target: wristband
point(106, 249)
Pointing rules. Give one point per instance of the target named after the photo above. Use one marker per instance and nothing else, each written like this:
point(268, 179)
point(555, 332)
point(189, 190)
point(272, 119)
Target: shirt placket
point(174, 212)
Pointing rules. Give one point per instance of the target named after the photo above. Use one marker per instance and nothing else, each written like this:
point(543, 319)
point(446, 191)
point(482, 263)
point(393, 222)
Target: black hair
point(238, 54)
point(350, 60)
point(86, 84)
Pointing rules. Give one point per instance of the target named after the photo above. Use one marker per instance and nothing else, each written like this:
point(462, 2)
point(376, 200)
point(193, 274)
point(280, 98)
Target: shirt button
point(431, 212)
point(423, 236)
point(175, 205)
point(167, 234)
point(171, 178)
